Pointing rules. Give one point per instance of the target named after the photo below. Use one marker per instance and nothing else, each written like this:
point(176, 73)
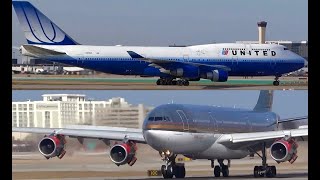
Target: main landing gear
point(264, 170)
point(276, 81)
point(222, 169)
point(170, 81)
point(171, 168)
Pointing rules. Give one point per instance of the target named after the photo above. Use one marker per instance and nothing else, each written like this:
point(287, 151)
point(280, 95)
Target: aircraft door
point(80, 59)
point(186, 58)
point(273, 63)
point(184, 119)
point(234, 64)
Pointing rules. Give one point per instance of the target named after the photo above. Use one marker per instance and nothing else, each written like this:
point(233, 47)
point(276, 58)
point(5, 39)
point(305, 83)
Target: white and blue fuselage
point(242, 59)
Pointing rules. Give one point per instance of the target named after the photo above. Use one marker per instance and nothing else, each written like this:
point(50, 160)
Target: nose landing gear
point(171, 168)
point(276, 81)
point(224, 169)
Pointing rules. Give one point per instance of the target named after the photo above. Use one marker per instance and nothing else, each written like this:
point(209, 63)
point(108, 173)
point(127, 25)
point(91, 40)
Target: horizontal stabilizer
point(39, 51)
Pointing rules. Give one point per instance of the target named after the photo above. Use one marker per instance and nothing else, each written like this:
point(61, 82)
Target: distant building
point(60, 110)
point(119, 114)
point(300, 48)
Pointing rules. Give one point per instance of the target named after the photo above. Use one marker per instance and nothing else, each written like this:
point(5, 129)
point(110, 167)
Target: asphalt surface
point(85, 166)
point(20, 82)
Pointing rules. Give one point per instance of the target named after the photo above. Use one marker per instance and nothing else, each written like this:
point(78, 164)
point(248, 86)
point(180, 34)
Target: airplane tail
point(265, 101)
point(39, 29)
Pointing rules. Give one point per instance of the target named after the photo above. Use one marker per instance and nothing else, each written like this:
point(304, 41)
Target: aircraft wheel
point(174, 82)
point(164, 171)
point(180, 83)
point(217, 171)
point(159, 82)
point(186, 83)
point(274, 170)
point(162, 82)
point(276, 83)
point(167, 172)
point(179, 171)
point(225, 171)
point(271, 171)
point(256, 171)
point(261, 172)
point(170, 171)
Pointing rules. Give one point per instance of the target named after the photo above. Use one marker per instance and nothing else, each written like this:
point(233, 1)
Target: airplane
point(174, 65)
point(194, 131)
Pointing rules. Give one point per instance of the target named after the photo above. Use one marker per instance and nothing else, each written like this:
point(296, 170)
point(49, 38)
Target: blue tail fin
point(39, 29)
point(265, 101)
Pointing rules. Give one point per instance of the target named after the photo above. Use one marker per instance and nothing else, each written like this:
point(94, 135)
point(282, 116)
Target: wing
point(158, 63)
point(95, 132)
point(242, 140)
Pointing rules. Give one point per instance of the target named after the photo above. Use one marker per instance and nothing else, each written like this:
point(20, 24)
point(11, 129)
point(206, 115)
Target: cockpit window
point(285, 48)
point(159, 118)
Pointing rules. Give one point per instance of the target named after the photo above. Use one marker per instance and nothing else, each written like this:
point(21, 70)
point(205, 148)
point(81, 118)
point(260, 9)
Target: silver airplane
point(195, 131)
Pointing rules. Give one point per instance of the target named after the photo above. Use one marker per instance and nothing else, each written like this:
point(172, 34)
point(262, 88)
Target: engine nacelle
point(123, 153)
point(177, 72)
point(52, 146)
point(216, 75)
point(284, 150)
point(186, 71)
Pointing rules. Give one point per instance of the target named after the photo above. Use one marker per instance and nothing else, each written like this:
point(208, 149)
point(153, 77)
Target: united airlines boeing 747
point(174, 65)
point(197, 132)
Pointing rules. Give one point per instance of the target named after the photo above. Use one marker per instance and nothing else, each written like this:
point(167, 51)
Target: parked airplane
point(210, 61)
point(195, 131)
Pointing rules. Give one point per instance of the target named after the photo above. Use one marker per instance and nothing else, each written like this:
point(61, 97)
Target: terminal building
point(61, 110)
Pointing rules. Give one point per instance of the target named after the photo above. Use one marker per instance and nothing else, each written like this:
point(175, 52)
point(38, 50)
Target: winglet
point(134, 55)
point(265, 101)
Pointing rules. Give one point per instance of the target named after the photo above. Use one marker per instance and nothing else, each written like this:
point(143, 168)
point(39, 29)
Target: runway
point(98, 166)
point(36, 82)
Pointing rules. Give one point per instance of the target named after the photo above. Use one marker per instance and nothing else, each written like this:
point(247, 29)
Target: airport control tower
point(262, 31)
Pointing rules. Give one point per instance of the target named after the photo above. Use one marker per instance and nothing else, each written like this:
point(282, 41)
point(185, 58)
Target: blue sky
point(289, 103)
point(160, 23)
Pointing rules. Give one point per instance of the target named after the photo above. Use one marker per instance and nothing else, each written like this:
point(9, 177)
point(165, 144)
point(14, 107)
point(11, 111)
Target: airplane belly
point(219, 151)
point(179, 142)
point(115, 67)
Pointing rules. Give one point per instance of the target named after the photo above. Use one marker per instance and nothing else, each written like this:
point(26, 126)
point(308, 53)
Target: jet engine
point(284, 150)
point(177, 72)
point(123, 153)
point(53, 145)
point(216, 75)
point(186, 71)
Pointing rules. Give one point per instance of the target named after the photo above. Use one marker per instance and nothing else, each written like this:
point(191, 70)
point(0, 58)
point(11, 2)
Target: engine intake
point(284, 150)
point(52, 146)
point(123, 153)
